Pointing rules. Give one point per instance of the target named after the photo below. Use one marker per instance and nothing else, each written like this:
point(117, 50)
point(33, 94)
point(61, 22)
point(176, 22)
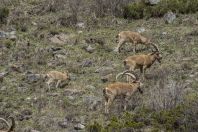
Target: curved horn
point(122, 73)
point(131, 75)
point(5, 122)
point(155, 46)
point(11, 128)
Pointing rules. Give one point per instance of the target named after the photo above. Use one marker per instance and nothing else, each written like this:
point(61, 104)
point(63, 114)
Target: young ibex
point(10, 127)
point(56, 76)
point(132, 37)
point(142, 61)
point(123, 89)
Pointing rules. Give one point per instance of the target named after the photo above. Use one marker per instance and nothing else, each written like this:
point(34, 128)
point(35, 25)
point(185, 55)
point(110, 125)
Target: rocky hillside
point(37, 36)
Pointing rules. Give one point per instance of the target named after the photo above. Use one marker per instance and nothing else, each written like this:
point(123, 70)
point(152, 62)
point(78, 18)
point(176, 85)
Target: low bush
point(140, 9)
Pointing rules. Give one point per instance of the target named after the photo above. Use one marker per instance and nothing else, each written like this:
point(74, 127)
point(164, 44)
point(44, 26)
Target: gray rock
point(90, 87)
point(63, 124)
point(10, 35)
point(80, 25)
point(164, 33)
point(34, 131)
point(141, 30)
point(3, 34)
point(32, 78)
point(73, 92)
point(169, 17)
point(26, 129)
point(87, 63)
point(92, 102)
point(63, 38)
point(106, 77)
point(2, 75)
point(103, 71)
point(90, 49)
point(152, 2)
point(79, 126)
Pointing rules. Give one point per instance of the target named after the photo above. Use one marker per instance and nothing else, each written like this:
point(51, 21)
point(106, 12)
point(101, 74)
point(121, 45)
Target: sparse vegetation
point(141, 10)
point(49, 36)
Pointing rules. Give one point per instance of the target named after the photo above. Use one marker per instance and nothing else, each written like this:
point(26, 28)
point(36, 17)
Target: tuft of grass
point(4, 12)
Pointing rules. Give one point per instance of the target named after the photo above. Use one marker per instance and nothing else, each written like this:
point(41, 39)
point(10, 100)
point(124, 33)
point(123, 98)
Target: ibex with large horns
point(142, 61)
point(123, 89)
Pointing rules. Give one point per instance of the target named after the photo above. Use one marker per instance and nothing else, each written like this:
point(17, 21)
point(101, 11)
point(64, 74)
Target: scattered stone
point(152, 2)
point(3, 88)
point(9, 35)
point(99, 41)
point(58, 56)
point(2, 75)
point(90, 87)
point(26, 112)
point(63, 38)
point(29, 129)
point(90, 49)
point(106, 77)
point(169, 17)
point(79, 126)
point(34, 131)
point(79, 32)
point(80, 25)
point(86, 63)
point(32, 78)
point(92, 102)
point(164, 33)
point(103, 71)
point(63, 124)
point(73, 92)
point(141, 30)
point(53, 94)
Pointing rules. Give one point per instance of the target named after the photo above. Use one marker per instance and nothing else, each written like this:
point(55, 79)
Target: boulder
point(32, 78)
point(79, 126)
point(92, 102)
point(63, 38)
point(90, 49)
point(152, 2)
point(103, 71)
point(169, 17)
point(86, 63)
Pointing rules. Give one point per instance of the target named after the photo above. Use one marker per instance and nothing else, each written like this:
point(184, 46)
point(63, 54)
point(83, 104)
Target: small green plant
point(4, 12)
point(96, 127)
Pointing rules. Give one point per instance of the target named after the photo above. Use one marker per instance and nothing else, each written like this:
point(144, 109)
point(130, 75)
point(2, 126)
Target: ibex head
point(157, 54)
point(134, 78)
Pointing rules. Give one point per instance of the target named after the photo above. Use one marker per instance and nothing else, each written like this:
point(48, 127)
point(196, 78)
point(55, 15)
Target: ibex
point(56, 76)
point(142, 61)
point(131, 37)
point(10, 127)
point(123, 89)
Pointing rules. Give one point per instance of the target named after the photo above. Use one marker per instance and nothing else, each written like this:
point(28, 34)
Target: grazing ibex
point(10, 127)
point(142, 61)
point(122, 89)
point(132, 37)
point(56, 76)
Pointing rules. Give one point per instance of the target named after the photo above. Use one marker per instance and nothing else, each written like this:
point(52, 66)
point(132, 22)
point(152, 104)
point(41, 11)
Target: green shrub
point(140, 9)
point(4, 12)
point(96, 127)
point(135, 10)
